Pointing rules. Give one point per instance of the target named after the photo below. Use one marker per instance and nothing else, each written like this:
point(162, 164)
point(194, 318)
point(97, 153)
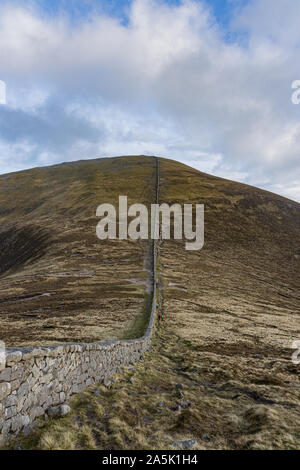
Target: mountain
point(220, 371)
point(59, 282)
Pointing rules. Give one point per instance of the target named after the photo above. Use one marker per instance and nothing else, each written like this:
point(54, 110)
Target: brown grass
point(231, 312)
point(95, 289)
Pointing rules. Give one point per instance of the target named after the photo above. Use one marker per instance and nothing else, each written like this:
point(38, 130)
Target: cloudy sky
point(207, 83)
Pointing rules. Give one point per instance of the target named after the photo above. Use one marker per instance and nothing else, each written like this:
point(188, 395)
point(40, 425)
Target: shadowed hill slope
point(58, 281)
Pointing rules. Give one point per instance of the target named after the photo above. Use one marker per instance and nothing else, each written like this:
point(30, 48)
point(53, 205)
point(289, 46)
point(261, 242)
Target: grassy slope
point(231, 313)
point(95, 289)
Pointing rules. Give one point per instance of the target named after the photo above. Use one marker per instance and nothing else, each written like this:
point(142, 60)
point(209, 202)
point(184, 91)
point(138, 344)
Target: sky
point(207, 83)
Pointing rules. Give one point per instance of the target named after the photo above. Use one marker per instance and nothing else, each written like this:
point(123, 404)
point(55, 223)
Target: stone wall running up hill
point(37, 381)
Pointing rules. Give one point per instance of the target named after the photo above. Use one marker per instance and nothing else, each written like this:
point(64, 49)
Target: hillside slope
point(59, 282)
point(220, 371)
point(244, 284)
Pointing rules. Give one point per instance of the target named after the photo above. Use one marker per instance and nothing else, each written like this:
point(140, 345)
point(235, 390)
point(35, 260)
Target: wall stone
point(38, 380)
point(35, 380)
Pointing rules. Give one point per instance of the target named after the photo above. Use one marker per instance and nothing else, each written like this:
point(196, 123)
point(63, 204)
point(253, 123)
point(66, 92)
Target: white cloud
point(167, 83)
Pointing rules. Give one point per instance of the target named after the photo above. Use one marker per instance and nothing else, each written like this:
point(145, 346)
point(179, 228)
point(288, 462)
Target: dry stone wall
point(34, 380)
